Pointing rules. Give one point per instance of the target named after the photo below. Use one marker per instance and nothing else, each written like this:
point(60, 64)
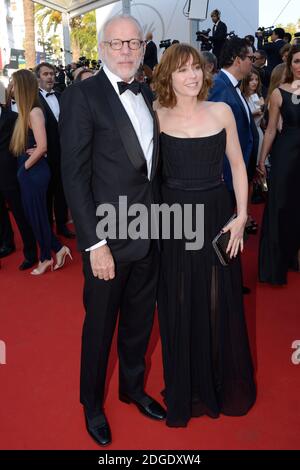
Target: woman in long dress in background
point(280, 235)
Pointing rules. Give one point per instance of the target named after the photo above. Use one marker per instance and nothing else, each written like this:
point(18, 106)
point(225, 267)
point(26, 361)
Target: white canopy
point(74, 7)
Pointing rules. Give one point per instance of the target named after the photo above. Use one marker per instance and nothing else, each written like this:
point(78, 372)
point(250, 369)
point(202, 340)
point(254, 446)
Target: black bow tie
point(13, 102)
point(238, 84)
point(50, 93)
point(134, 86)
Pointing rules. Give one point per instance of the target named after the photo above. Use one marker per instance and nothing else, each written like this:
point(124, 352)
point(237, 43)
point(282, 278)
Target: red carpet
point(40, 323)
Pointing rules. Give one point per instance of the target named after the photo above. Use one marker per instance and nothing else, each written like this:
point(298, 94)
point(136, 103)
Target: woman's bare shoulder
point(220, 112)
point(36, 112)
point(218, 107)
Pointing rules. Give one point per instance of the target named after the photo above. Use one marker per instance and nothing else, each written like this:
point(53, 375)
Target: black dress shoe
point(27, 264)
point(98, 428)
point(147, 406)
point(65, 232)
point(246, 290)
point(6, 251)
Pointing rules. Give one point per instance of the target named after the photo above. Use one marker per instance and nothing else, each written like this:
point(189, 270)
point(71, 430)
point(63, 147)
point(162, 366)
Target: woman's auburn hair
point(173, 58)
point(289, 76)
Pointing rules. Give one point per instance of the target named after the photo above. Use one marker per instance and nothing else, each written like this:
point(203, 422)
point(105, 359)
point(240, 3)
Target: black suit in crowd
point(272, 49)
point(150, 58)
point(265, 76)
point(55, 197)
point(10, 192)
point(219, 35)
point(102, 159)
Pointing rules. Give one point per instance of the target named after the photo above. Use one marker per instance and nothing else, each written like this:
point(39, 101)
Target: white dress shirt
point(52, 102)
point(14, 106)
point(234, 82)
point(215, 26)
point(141, 120)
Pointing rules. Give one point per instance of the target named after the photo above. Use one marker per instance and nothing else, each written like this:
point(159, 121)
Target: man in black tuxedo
point(50, 103)
point(10, 193)
point(219, 33)
point(260, 66)
point(272, 48)
point(109, 140)
point(150, 58)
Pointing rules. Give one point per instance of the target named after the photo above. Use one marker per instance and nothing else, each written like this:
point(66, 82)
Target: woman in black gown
point(280, 235)
point(207, 362)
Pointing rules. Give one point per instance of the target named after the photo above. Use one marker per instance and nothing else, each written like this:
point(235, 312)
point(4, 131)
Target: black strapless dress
point(207, 362)
point(280, 233)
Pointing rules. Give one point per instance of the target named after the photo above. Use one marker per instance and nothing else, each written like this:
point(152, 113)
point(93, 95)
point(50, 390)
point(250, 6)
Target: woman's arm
point(239, 178)
point(270, 133)
point(37, 124)
point(236, 160)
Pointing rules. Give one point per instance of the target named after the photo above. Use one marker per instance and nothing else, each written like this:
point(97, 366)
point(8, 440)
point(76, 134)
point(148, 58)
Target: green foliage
point(83, 30)
point(84, 33)
point(291, 28)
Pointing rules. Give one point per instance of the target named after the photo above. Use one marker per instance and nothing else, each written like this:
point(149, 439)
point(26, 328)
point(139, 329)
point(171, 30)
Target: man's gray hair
point(120, 17)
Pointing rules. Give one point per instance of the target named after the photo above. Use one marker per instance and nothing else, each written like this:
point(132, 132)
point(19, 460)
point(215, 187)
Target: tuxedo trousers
point(56, 200)
point(13, 198)
point(131, 294)
point(6, 231)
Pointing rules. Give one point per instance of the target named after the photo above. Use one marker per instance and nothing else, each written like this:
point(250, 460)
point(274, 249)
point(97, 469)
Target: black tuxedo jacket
point(218, 38)
point(53, 144)
point(150, 58)
point(102, 159)
point(8, 162)
point(273, 52)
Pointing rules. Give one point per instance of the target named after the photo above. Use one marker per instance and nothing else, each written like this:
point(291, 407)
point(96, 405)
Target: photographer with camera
point(219, 33)
point(272, 49)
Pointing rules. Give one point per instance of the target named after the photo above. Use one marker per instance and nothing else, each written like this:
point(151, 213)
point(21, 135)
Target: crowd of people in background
point(226, 121)
point(265, 72)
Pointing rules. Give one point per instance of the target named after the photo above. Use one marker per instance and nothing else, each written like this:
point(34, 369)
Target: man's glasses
point(117, 44)
point(251, 57)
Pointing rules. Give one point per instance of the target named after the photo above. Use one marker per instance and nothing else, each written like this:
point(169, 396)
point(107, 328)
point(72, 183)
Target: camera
point(204, 39)
point(231, 35)
point(266, 32)
point(165, 43)
point(83, 62)
point(95, 64)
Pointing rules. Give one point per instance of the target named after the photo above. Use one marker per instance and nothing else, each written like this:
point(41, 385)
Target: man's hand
point(102, 263)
